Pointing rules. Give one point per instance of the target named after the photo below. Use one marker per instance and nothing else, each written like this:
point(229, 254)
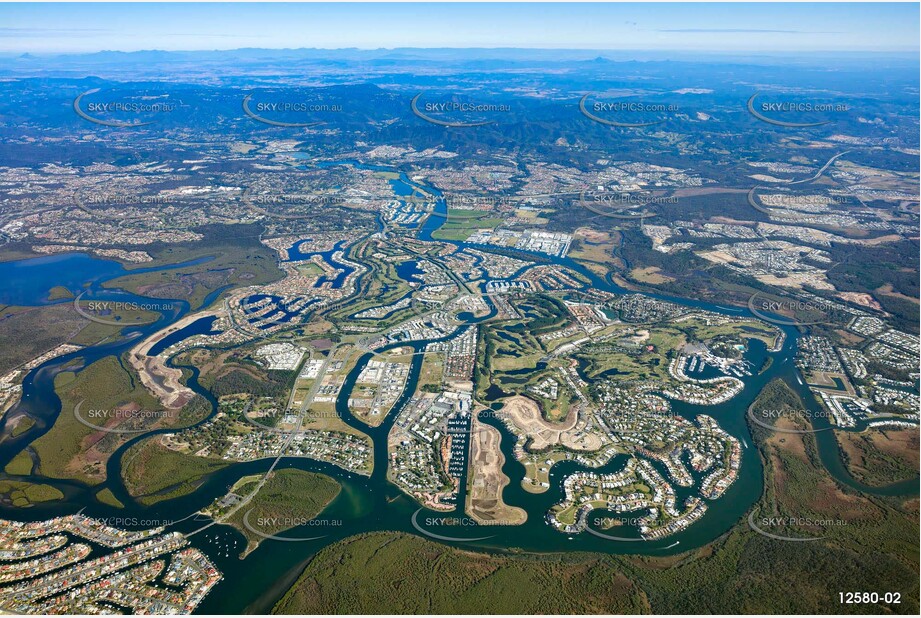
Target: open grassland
point(651, 275)
point(595, 247)
point(108, 498)
point(462, 223)
point(23, 424)
point(13, 251)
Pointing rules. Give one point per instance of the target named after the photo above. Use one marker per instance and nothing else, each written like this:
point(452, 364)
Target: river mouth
point(371, 504)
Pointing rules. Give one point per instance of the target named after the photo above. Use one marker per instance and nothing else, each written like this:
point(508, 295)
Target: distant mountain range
point(499, 56)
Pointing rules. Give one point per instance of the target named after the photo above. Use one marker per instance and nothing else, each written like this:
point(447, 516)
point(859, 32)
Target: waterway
point(368, 503)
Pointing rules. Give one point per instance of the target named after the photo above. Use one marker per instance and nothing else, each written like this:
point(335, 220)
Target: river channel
point(368, 504)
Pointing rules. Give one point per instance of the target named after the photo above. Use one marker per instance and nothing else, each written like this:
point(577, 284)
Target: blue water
point(295, 255)
point(27, 282)
point(410, 271)
point(201, 326)
point(368, 504)
point(272, 318)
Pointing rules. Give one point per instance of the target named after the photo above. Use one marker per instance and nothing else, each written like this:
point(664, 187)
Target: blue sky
point(771, 27)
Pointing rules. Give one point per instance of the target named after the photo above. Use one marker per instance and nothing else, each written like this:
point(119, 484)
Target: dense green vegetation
point(868, 268)
point(109, 392)
point(694, 277)
point(21, 494)
point(874, 549)
point(152, 472)
point(20, 465)
point(232, 371)
point(64, 451)
point(107, 497)
point(269, 384)
point(29, 332)
point(289, 494)
point(397, 573)
point(228, 255)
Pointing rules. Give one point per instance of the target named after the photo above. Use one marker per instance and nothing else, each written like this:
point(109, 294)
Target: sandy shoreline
point(164, 382)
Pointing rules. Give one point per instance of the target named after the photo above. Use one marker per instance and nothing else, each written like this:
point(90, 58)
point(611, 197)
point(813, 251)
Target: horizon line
point(489, 48)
